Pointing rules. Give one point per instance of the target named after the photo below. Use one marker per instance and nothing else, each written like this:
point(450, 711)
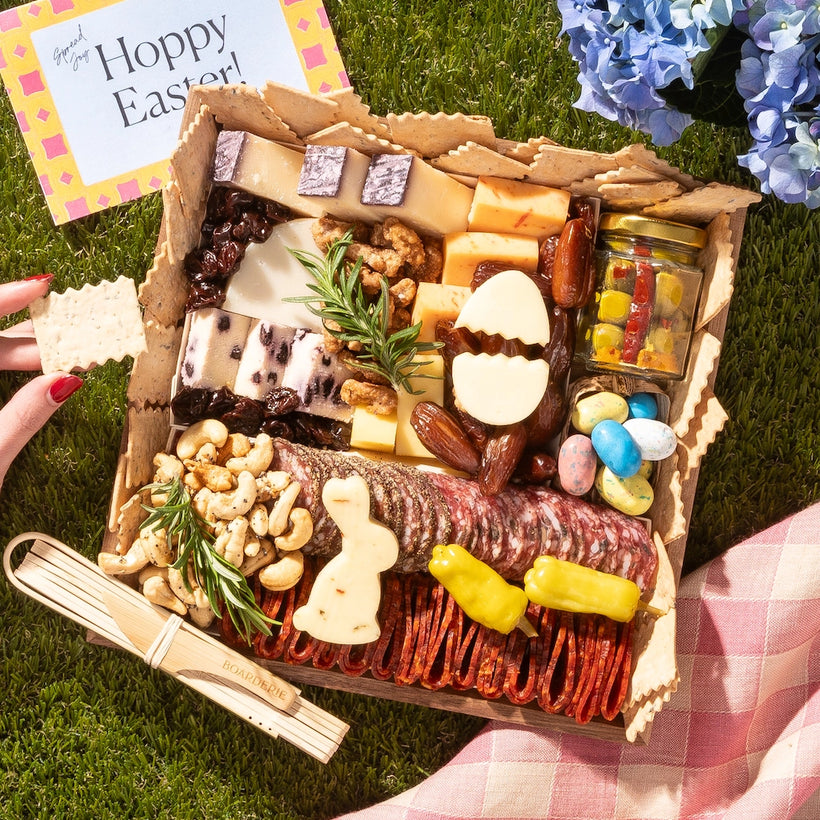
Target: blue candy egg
point(642, 406)
point(616, 448)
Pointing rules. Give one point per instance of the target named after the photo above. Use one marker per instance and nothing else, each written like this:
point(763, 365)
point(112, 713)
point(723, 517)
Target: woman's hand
point(34, 403)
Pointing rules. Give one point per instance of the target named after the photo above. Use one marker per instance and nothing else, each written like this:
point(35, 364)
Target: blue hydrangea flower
point(779, 80)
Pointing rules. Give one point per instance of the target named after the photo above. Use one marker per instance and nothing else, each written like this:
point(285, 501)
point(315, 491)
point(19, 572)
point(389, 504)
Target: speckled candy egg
point(632, 496)
point(655, 440)
point(577, 464)
point(593, 409)
point(642, 406)
point(616, 448)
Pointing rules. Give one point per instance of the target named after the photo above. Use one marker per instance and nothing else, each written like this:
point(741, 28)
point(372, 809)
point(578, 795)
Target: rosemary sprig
point(217, 576)
point(339, 299)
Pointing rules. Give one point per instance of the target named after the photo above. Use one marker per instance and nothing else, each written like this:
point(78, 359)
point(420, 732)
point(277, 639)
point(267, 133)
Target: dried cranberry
point(190, 404)
point(277, 213)
point(277, 428)
point(222, 235)
point(201, 263)
point(259, 228)
point(229, 256)
point(245, 417)
point(221, 401)
point(281, 400)
point(204, 294)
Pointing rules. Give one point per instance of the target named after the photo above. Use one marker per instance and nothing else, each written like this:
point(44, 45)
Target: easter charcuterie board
point(426, 188)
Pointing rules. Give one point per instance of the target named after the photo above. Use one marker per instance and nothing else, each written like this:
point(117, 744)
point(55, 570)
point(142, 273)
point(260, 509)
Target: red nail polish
point(63, 388)
point(41, 277)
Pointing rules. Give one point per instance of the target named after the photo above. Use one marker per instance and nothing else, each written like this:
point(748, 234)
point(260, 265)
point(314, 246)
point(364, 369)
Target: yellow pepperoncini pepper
point(479, 590)
point(558, 584)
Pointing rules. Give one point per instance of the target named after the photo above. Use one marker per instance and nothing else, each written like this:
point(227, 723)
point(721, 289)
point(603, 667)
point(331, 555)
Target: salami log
point(508, 531)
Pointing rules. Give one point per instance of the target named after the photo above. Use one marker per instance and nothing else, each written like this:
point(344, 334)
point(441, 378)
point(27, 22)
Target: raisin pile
point(233, 219)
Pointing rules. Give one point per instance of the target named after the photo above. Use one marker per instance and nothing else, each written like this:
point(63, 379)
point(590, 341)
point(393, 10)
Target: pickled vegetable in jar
point(648, 285)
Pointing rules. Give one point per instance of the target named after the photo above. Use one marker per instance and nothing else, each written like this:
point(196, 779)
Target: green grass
point(88, 732)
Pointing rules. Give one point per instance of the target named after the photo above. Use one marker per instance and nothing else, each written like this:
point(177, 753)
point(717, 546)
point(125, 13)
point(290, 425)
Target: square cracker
point(435, 134)
point(479, 161)
point(303, 113)
point(559, 167)
point(81, 328)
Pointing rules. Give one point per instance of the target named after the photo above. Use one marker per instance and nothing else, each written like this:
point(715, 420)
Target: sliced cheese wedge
point(498, 389)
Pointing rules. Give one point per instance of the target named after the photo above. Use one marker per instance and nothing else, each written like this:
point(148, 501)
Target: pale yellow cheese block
point(371, 431)
point(465, 250)
point(434, 302)
point(407, 188)
point(430, 389)
point(510, 206)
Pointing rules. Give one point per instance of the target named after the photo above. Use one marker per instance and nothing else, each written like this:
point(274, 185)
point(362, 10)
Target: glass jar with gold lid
point(648, 285)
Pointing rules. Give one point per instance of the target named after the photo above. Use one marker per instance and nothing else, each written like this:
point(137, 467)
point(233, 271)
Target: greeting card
point(98, 86)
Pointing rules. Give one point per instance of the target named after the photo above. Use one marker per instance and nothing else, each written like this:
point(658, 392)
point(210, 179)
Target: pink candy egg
point(577, 465)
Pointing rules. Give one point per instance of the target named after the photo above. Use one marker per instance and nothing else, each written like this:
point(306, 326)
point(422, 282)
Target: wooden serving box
point(466, 147)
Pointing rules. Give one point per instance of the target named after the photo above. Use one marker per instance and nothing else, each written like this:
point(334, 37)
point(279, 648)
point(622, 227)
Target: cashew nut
point(202, 616)
point(284, 573)
point(168, 467)
point(206, 454)
point(258, 518)
point(238, 502)
point(251, 543)
point(132, 561)
point(231, 542)
point(157, 591)
point(201, 502)
point(257, 460)
point(202, 432)
point(176, 582)
point(271, 484)
point(156, 547)
point(299, 533)
point(150, 571)
point(280, 513)
point(265, 556)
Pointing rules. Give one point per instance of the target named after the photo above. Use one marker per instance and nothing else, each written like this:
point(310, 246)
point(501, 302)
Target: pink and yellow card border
point(67, 196)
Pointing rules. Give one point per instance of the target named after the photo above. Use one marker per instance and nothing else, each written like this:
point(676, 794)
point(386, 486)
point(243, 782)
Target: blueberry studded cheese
point(214, 347)
point(317, 376)
point(264, 359)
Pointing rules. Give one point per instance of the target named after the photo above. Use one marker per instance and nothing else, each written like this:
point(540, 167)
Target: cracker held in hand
point(81, 328)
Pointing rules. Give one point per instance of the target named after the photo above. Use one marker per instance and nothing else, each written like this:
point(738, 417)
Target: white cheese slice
point(213, 349)
point(498, 389)
point(263, 168)
point(510, 305)
point(269, 273)
point(263, 362)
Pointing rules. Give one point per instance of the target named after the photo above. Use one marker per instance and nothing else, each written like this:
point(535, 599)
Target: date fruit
point(442, 434)
point(500, 457)
point(573, 265)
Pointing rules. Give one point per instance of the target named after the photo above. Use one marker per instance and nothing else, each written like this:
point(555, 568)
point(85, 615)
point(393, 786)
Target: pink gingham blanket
point(739, 739)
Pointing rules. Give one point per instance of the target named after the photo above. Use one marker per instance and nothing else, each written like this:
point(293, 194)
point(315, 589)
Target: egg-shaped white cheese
point(498, 389)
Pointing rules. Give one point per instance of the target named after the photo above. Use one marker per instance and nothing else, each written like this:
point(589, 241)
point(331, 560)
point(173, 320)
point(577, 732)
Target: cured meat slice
point(387, 652)
point(508, 531)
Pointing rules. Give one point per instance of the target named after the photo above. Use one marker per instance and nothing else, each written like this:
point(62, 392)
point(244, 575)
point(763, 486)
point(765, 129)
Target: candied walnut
point(404, 240)
point(404, 292)
point(376, 398)
point(430, 270)
point(326, 230)
point(348, 358)
point(333, 344)
point(371, 280)
point(382, 260)
point(399, 318)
